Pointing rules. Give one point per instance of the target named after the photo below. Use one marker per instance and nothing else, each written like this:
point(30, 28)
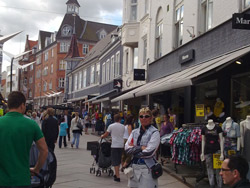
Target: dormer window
point(102, 34)
point(67, 30)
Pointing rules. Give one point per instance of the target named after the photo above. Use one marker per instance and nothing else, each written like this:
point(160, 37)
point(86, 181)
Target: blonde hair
point(145, 110)
point(77, 116)
point(50, 111)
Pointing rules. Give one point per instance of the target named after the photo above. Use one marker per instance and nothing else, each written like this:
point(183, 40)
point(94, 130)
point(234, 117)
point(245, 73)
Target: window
point(45, 86)
point(133, 11)
point(97, 75)
point(38, 60)
point(51, 68)
point(61, 83)
point(30, 93)
point(52, 52)
point(70, 84)
point(92, 74)
point(45, 71)
point(80, 80)
point(146, 6)
point(84, 78)
point(117, 64)
point(50, 85)
point(25, 81)
point(31, 67)
point(206, 14)
point(112, 67)
point(85, 48)
point(145, 51)
point(107, 70)
point(38, 73)
point(135, 59)
point(64, 46)
point(179, 25)
point(103, 73)
point(31, 80)
point(46, 56)
point(62, 65)
point(127, 61)
point(246, 3)
point(75, 82)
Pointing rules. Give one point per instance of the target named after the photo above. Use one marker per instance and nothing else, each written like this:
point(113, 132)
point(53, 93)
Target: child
point(63, 133)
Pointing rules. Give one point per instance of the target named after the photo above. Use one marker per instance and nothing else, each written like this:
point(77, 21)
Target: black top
point(244, 183)
point(50, 129)
point(212, 144)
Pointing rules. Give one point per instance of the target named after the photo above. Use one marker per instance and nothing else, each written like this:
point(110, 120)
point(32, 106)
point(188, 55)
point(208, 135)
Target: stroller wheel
point(111, 172)
point(98, 173)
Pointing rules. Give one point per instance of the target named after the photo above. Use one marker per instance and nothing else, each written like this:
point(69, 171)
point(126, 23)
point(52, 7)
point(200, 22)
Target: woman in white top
point(129, 126)
point(76, 131)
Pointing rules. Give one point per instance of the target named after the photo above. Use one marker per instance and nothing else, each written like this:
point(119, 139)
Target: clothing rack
point(202, 167)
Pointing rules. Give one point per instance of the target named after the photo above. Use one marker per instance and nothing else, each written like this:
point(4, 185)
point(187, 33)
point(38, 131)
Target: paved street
point(74, 165)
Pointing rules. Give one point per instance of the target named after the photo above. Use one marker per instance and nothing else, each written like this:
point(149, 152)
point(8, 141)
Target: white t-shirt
point(117, 132)
point(126, 135)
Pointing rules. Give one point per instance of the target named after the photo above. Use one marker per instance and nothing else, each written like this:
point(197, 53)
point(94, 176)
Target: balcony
point(130, 34)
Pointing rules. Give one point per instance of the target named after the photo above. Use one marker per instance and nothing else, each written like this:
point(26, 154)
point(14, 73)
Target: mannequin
point(210, 145)
point(245, 140)
point(232, 139)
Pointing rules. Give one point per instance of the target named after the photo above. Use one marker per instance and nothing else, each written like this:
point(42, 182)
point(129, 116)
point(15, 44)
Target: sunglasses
point(144, 116)
point(225, 170)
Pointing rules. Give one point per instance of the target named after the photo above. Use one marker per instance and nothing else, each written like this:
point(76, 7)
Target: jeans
point(76, 137)
point(211, 171)
point(64, 141)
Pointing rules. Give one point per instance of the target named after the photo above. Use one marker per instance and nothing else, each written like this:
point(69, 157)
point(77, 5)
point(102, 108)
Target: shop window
point(240, 97)
point(206, 94)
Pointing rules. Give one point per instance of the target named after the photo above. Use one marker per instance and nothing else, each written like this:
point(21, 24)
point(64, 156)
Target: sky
point(30, 16)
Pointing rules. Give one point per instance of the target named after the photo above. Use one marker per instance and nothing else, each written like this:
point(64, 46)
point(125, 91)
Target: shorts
point(116, 156)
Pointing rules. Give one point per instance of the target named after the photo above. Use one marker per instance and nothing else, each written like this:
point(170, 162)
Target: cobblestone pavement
point(73, 170)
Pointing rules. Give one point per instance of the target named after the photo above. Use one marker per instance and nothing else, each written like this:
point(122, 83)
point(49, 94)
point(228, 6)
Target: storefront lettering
point(187, 56)
point(242, 21)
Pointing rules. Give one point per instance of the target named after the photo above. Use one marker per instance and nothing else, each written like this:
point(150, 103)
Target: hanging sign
point(241, 21)
point(199, 108)
point(216, 161)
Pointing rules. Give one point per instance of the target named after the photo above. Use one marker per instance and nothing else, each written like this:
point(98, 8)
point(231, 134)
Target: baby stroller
point(102, 158)
point(165, 149)
point(47, 175)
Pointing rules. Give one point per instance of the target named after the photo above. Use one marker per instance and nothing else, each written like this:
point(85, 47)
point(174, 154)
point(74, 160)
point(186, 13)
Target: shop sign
point(139, 74)
point(241, 21)
point(231, 152)
point(216, 161)
point(199, 109)
point(117, 84)
point(187, 56)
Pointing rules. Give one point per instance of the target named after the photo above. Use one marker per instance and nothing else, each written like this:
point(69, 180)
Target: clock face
point(66, 31)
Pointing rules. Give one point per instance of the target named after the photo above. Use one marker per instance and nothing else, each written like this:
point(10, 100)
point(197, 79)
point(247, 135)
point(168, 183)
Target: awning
point(184, 78)
point(102, 95)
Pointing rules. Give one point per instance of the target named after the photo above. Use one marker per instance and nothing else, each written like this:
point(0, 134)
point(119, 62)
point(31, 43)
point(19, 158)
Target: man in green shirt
point(17, 134)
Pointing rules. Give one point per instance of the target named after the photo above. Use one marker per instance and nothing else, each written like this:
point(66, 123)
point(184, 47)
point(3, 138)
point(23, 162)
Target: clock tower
point(73, 7)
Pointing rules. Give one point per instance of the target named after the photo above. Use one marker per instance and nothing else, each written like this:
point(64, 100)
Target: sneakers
point(116, 179)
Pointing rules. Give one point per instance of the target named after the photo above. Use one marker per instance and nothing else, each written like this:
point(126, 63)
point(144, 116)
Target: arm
point(130, 148)
point(105, 134)
point(129, 129)
point(242, 134)
point(203, 147)
point(43, 153)
point(221, 146)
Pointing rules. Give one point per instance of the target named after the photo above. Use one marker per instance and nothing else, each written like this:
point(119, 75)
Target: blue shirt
point(63, 129)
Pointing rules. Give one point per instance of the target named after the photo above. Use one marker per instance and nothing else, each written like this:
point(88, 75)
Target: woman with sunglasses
point(142, 144)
